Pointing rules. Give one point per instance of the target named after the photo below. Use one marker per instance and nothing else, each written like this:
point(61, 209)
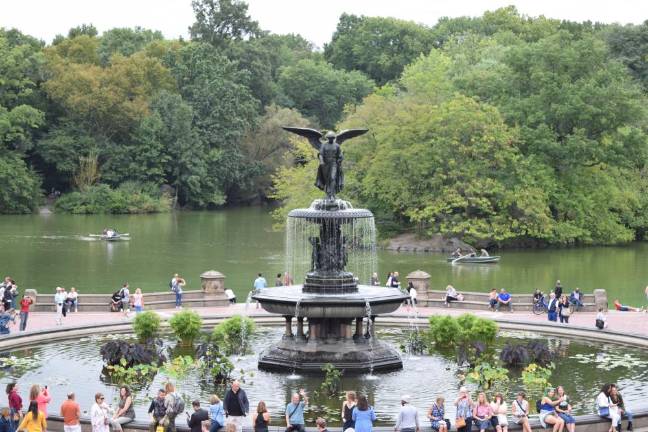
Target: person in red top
point(15, 404)
point(71, 412)
point(24, 311)
point(41, 397)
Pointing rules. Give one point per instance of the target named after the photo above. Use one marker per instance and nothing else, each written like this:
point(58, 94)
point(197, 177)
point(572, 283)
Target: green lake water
point(43, 251)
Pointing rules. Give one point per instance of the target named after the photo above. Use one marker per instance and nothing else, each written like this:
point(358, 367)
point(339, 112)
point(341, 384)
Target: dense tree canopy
point(501, 129)
point(379, 47)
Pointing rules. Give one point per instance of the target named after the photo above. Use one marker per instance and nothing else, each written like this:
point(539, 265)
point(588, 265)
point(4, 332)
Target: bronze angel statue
point(330, 176)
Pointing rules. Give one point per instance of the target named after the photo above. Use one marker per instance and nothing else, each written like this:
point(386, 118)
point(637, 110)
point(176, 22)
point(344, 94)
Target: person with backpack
point(236, 406)
point(174, 405)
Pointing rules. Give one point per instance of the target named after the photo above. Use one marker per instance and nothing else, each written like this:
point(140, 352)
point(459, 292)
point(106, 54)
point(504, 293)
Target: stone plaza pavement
point(624, 322)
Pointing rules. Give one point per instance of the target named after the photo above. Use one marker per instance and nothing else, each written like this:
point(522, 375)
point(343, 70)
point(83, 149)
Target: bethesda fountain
point(334, 314)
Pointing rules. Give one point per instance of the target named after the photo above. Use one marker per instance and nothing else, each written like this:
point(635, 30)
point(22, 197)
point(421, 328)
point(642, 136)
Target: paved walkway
point(626, 322)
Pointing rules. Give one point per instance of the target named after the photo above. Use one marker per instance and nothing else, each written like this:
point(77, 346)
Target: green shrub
point(128, 198)
point(146, 325)
point(233, 334)
point(443, 330)
point(186, 326)
point(475, 329)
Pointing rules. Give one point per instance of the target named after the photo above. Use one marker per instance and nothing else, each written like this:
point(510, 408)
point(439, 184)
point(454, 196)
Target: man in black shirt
point(157, 410)
point(236, 406)
point(200, 415)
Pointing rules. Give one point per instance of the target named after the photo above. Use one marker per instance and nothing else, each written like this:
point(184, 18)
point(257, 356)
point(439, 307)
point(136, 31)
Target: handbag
point(566, 312)
point(604, 411)
point(600, 324)
point(460, 422)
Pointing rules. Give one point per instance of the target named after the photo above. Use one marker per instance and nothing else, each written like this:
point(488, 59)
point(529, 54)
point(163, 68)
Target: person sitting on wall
point(231, 297)
point(576, 298)
point(116, 301)
point(624, 308)
point(504, 299)
point(492, 299)
point(451, 295)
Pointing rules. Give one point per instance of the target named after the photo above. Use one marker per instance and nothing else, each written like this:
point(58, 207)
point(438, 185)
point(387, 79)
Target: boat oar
point(457, 259)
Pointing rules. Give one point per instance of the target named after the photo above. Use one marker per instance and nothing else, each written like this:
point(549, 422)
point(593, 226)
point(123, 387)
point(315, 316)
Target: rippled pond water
point(582, 368)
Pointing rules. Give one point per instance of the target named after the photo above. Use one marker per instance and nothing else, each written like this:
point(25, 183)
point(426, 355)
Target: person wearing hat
point(59, 300)
point(407, 417)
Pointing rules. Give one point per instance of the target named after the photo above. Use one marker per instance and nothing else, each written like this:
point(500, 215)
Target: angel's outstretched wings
point(348, 134)
point(312, 135)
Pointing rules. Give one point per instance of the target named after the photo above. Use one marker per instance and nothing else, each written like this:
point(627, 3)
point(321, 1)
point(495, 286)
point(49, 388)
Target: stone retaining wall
point(152, 301)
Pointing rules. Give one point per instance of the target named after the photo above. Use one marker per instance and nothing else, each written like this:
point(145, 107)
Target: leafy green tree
point(220, 21)
point(224, 110)
point(262, 59)
point(629, 44)
point(125, 41)
point(379, 47)
point(269, 146)
point(20, 187)
point(83, 30)
point(320, 91)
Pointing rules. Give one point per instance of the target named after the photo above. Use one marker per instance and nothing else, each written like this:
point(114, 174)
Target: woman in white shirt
point(451, 295)
point(520, 410)
point(72, 300)
point(607, 409)
point(500, 408)
point(99, 415)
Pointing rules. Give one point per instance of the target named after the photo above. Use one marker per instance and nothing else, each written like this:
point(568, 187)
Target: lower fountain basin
point(284, 300)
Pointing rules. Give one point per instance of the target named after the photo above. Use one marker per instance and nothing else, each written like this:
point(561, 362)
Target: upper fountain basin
point(283, 301)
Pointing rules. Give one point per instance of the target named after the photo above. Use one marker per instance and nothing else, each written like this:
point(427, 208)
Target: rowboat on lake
point(467, 259)
point(111, 235)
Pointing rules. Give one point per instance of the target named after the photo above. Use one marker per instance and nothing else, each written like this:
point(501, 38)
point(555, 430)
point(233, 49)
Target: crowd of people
point(356, 414)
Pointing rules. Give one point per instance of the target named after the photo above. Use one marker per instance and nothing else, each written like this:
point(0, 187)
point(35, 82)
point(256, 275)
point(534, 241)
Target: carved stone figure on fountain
point(330, 175)
point(316, 255)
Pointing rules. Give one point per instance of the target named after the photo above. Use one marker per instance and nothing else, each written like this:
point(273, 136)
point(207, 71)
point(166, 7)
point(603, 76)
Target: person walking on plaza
point(295, 412)
point(197, 417)
point(287, 279)
point(552, 308)
point(363, 415)
point(71, 413)
point(278, 280)
point(260, 418)
point(25, 304)
point(124, 292)
point(157, 410)
point(563, 309)
point(236, 406)
point(34, 420)
point(407, 420)
point(100, 414)
point(59, 301)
